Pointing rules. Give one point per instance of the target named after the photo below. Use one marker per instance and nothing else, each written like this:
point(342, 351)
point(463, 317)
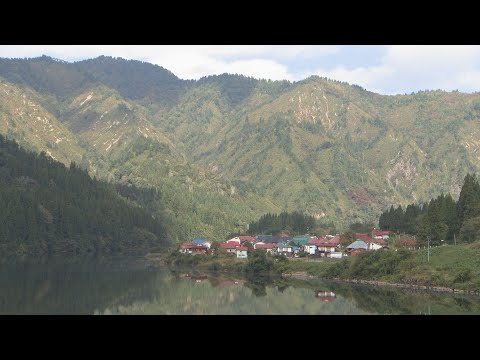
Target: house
point(363, 237)
point(334, 239)
point(250, 239)
point(374, 246)
point(185, 246)
point(300, 240)
point(264, 238)
point(381, 234)
point(357, 247)
point(241, 252)
point(311, 246)
point(191, 248)
point(234, 240)
point(325, 248)
point(229, 247)
point(269, 239)
point(262, 246)
point(201, 241)
point(296, 251)
point(285, 250)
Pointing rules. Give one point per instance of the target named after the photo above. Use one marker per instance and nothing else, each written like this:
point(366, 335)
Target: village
point(291, 247)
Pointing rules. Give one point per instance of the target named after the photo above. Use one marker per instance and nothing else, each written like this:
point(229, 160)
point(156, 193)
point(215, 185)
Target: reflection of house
point(201, 241)
point(241, 252)
point(231, 282)
point(325, 295)
point(191, 248)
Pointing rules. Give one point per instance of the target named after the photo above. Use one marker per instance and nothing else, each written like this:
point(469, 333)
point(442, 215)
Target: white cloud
point(367, 77)
point(406, 68)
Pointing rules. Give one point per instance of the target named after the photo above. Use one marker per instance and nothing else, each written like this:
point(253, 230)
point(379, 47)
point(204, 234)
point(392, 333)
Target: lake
point(134, 286)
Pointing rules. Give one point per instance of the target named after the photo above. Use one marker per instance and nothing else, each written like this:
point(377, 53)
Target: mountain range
point(223, 150)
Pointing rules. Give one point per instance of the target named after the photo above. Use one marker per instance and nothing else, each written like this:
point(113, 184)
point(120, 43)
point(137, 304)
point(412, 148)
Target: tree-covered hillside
point(48, 209)
point(440, 219)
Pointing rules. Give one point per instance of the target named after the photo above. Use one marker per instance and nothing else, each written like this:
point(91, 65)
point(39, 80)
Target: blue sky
point(384, 69)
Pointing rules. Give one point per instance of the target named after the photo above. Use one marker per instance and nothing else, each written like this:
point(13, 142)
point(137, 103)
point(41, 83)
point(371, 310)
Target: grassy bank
point(455, 267)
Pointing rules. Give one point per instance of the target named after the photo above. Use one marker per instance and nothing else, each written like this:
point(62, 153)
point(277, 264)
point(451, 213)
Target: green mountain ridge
point(238, 147)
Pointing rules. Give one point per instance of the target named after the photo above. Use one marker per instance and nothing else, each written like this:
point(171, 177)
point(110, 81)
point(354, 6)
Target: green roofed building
point(300, 240)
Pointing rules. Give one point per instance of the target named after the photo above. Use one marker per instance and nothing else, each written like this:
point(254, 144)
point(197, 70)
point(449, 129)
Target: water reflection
point(130, 286)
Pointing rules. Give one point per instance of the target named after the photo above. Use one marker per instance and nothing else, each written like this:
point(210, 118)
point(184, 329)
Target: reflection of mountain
point(177, 294)
point(388, 300)
point(71, 288)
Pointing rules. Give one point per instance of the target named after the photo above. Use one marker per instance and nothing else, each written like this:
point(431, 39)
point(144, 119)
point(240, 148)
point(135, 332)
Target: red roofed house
point(335, 240)
point(263, 246)
point(247, 238)
point(241, 252)
point(325, 248)
point(230, 247)
point(380, 234)
point(363, 237)
point(234, 240)
point(191, 248)
point(312, 245)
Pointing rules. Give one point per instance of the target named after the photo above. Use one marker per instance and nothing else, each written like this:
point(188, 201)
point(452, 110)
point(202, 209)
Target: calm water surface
point(132, 286)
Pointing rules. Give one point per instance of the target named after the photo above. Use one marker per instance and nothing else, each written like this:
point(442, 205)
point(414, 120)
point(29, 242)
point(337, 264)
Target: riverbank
point(449, 268)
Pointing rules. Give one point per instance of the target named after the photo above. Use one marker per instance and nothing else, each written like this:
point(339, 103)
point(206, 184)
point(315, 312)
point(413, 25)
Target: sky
point(385, 69)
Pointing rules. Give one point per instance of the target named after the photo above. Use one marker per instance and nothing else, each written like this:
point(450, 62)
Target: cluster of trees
point(49, 209)
point(440, 219)
point(293, 223)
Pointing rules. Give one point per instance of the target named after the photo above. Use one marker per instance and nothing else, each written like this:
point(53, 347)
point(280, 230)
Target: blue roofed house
point(264, 238)
point(286, 250)
point(357, 247)
point(202, 241)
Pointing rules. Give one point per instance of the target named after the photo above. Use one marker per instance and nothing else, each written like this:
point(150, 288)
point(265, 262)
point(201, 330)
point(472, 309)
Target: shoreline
point(305, 276)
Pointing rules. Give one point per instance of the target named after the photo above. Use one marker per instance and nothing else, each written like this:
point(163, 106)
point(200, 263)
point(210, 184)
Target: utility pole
point(428, 251)
point(454, 238)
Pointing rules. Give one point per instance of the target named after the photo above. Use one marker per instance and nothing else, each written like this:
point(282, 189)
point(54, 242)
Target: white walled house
point(241, 252)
